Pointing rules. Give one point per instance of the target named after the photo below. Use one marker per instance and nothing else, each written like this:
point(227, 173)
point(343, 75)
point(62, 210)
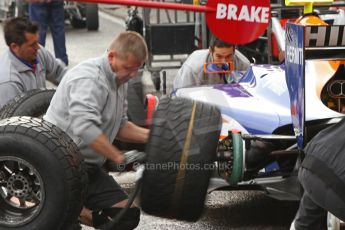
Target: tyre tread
point(65, 151)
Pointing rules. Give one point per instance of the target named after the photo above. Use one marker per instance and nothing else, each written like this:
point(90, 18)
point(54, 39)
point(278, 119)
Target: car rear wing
point(306, 43)
point(319, 39)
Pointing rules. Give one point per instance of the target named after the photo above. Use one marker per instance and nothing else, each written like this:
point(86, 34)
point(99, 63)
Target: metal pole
point(164, 82)
point(151, 4)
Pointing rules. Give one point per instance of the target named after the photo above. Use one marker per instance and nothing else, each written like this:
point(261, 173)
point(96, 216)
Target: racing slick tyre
point(91, 15)
point(180, 157)
point(33, 103)
point(42, 176)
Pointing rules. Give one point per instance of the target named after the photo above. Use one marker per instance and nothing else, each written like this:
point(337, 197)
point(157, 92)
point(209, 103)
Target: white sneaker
point(292, 227)
point(333, 223)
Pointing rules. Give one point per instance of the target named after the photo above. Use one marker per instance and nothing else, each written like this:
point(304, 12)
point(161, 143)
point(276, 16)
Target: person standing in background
point(50, 13)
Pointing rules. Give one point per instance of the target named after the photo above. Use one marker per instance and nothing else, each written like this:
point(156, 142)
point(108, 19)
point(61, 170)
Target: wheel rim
point(21, 192)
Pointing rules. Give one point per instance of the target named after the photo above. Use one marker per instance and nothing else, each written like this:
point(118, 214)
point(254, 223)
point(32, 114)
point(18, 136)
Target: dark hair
point(15, 29)
point(216, 42)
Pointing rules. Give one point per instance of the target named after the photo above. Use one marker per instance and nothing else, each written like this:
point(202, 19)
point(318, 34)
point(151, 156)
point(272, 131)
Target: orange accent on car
point(310, 20)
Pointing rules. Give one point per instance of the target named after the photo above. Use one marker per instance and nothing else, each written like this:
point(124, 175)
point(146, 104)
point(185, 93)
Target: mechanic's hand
point(132, 158)
point(119, 158)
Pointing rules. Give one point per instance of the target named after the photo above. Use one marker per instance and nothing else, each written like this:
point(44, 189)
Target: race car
point(267, 118)
point(240, 134)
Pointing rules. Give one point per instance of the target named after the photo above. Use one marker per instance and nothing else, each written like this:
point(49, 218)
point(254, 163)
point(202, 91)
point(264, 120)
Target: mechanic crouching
point(322, 175)
point(192, 72)
point(90, 105)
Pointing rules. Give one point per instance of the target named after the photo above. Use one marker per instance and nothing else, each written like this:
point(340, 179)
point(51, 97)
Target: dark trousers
point(103, 191)
point(317, 198)
point(51, 15)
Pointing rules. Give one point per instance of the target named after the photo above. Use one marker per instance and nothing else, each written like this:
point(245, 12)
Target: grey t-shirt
point(87, 103)
point(17, 77)
point(192, 71)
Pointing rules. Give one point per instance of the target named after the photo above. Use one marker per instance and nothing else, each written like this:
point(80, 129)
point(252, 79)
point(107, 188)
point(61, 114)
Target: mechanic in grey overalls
point(90, 105)
point(25, 65)
point(322, 175)
point(192, 71)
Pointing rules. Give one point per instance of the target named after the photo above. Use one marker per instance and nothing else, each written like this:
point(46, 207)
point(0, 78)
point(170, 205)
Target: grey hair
point(130, 42)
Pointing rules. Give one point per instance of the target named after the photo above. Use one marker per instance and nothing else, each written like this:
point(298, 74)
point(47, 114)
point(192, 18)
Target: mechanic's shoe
point(128, 221)
point(132, 158)
point(292, 227)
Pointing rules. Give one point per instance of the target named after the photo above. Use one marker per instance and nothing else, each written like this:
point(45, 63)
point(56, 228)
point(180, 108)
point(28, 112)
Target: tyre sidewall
point(52, 173)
